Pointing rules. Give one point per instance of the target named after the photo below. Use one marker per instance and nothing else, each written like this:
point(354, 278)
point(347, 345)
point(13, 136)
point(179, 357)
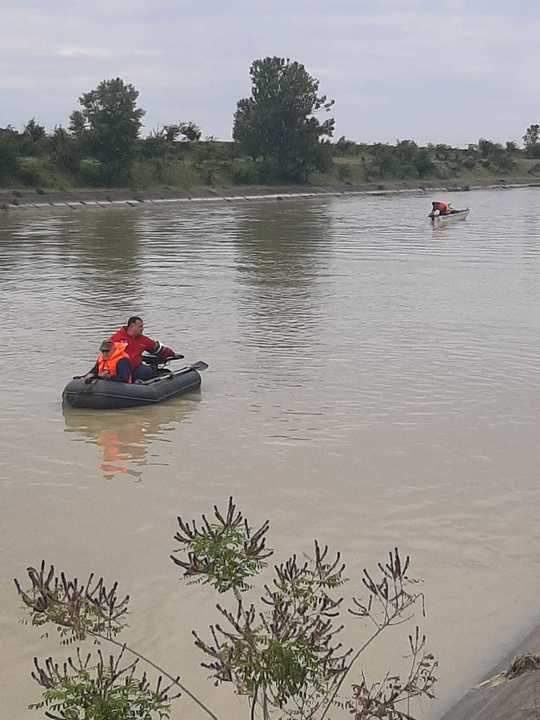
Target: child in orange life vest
point(112, 363)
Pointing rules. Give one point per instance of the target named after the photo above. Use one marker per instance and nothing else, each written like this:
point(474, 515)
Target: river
point(372, 382)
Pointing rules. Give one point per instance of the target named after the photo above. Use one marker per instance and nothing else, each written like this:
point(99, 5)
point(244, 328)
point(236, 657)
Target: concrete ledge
point(213, 197)
point(511, 700)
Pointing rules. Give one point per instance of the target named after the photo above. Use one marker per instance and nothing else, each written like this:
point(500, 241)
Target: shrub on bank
point(35, 171)
point(8, 158)
point(244, 171)
point(91, 172)
point(280, 650)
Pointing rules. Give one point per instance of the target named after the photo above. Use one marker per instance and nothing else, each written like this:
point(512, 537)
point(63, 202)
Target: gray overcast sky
point(447, 71)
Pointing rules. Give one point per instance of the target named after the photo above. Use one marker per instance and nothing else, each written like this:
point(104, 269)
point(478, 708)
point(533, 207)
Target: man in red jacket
point(136, 344)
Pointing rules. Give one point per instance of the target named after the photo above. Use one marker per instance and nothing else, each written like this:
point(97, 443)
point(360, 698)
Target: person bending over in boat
point(443, 208)
point(112, 363)
point(136, 344)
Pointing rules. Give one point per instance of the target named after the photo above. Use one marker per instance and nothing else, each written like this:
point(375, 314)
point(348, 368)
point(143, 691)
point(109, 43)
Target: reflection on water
point(281, 259)
point(106, 267)
point(124, 438)
point(281, 249)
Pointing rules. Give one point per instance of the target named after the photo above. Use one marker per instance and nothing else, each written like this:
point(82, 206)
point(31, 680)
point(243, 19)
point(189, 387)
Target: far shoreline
point(28, 198)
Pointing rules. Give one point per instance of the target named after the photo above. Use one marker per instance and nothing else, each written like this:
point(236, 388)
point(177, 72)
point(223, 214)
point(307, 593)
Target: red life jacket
point(108, 365)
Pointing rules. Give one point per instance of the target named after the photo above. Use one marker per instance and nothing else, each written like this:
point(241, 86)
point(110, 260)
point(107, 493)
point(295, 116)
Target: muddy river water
point(372, 382)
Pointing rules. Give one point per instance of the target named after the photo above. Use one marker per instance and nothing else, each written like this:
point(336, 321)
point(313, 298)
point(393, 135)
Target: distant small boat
point(456, 215)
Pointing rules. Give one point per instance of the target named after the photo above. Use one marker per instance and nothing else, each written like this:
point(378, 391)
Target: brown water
point(372, 382)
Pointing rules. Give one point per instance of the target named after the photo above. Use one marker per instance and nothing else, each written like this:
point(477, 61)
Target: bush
point(533, 151)
point(142, 174)
point(344, 173)
point(423, 163)
point(323, 160)
point(65, 151)
point(91, 171)
point(34, 171)
point(211, 171)
point(8, 158)
point(346, 147)
point(212, 150)
point(487, 149)
point(443, 152)
point(179, 174)
point(504, 163)
point(244, 172)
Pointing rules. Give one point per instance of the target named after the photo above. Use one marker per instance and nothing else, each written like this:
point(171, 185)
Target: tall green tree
point(33, 140)
point(278, 124)
point(10, 142)
point(190, 130)
point(65, 150)
point(108, 125)
point(34, 131)
point(532, 140)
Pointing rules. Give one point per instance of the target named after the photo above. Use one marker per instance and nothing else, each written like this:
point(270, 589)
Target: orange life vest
point(108, 365)
point(442, 207)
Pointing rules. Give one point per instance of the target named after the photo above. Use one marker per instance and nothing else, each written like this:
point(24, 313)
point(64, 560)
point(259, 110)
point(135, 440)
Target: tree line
point(277, 137)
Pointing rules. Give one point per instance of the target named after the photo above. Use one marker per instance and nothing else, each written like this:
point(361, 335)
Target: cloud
point(96, 53)
point(86, 53)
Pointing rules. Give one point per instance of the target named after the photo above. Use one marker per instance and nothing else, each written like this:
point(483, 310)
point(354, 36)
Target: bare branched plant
point(281, 650)
point(383, 700)
point(389, 602)
point(224, 553)
point(284, 657)
point(77, 609)
point(105, 689)
point(388, 597)
point(82, 611)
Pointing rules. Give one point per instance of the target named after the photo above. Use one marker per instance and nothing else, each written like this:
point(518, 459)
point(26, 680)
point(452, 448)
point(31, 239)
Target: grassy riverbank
point(43, 171)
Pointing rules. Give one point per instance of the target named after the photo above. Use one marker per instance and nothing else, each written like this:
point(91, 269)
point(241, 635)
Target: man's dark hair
point(133, 319)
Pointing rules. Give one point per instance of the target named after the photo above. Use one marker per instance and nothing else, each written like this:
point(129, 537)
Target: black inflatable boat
point(101, 394)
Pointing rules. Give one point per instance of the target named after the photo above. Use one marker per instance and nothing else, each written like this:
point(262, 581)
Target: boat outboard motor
point(156, 362)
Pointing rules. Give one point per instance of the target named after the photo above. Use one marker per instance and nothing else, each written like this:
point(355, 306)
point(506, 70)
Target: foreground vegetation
point(278, 138)
point(278, 647)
